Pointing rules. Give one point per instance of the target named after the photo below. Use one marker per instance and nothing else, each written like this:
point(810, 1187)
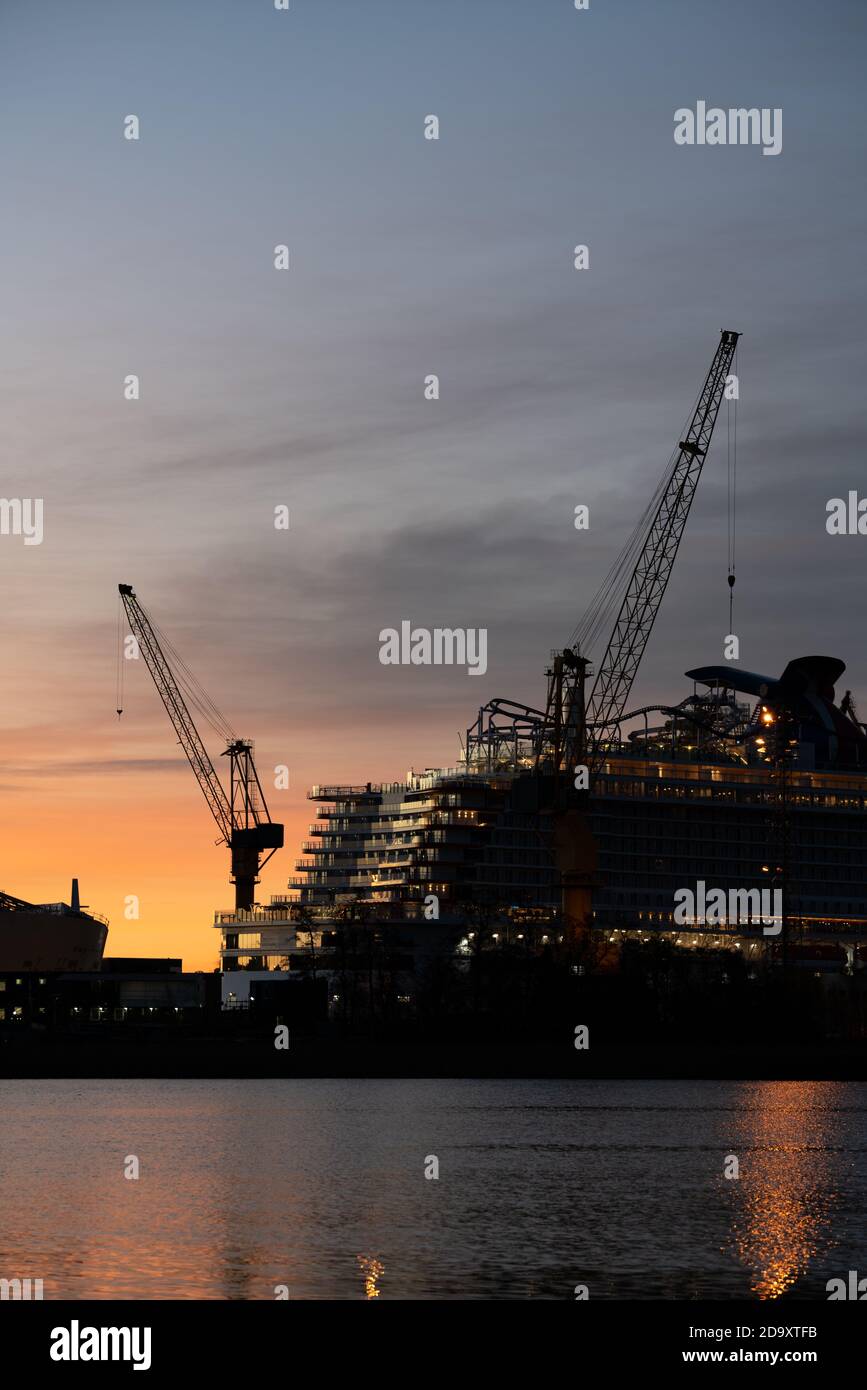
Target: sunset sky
point(407, 257)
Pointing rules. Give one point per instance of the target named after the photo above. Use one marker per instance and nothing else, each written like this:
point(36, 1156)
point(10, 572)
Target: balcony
point(371, 789)
point(266, 916)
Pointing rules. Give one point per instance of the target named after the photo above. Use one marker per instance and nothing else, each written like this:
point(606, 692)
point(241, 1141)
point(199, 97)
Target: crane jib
point(652, 570)
point(242, 816)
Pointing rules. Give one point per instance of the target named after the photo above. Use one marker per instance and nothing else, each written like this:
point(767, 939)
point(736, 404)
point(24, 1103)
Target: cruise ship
point(739, 793)
point(586, 819)
point(694, 794)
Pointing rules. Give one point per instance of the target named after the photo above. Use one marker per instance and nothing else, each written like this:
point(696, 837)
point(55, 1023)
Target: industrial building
point(101, 1000)
point(55, 978)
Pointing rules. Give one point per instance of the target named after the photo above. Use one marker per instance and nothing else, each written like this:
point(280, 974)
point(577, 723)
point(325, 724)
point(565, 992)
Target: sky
point(305, 387)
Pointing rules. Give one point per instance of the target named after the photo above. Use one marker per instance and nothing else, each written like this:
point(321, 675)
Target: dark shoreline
point(205, 1058)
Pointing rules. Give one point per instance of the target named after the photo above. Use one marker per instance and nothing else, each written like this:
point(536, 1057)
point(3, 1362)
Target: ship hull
point(31, 941)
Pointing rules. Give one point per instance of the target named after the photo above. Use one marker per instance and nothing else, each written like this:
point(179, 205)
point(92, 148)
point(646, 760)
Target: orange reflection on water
point(786, 1186)
point(373, 1270)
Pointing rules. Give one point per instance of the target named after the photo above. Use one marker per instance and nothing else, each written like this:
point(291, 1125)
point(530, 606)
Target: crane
point(575, 733)
point(581, 731)
point(242, 815)
point(570, 731)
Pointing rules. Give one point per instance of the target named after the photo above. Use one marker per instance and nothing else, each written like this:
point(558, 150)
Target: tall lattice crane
point(570, 730)
point(582, 731)
point(577, 733)
point(573, 732)
point(242, 815)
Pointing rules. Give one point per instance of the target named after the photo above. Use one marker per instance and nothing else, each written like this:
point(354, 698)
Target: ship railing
point(64, 910)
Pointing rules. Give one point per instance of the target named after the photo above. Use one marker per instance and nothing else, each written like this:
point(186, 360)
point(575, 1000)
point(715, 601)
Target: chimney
point(75, 904)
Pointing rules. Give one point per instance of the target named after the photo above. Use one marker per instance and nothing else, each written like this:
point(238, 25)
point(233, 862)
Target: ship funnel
point(74, 901)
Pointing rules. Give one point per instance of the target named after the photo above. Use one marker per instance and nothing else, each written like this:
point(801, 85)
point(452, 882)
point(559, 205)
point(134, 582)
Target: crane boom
point(242, 817)
point(616, 671)
point(167, 688)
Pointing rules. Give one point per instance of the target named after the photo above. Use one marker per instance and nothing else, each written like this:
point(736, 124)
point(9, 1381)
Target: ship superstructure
point(731, 793)
point(694, 792)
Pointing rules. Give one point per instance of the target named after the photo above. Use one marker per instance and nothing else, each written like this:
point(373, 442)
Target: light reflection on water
point(373, 1270)
point(788, 1185)
point(320, 1186)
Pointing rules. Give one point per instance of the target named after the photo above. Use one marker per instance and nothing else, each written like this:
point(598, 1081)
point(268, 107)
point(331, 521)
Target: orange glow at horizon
point(118, 844)
point(125, 816)
point(114, 803)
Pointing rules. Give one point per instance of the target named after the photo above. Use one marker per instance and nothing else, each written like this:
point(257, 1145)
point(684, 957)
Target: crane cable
point(119, 673)
point(183, 676)
point(609, 596)
point(192, 688)
point(732, 429)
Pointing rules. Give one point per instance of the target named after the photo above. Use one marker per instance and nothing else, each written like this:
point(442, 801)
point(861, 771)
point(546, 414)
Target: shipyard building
point(54, 976)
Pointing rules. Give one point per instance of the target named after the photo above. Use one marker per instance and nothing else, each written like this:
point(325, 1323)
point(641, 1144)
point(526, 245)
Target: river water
point(318, 1189)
